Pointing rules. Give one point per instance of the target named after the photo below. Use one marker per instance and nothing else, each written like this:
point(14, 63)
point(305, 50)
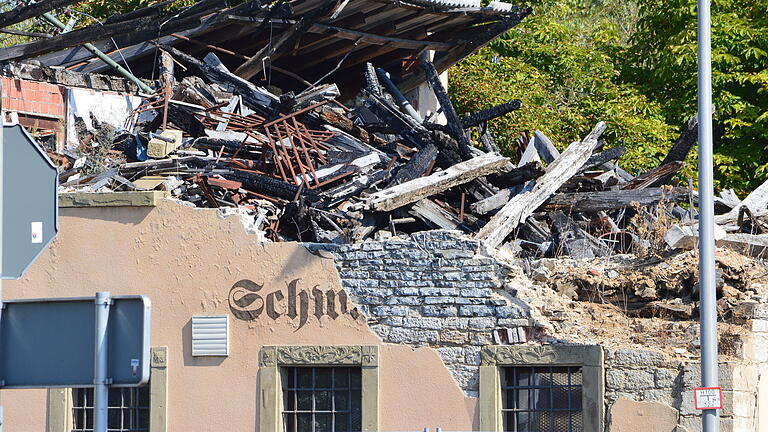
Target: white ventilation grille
point(210, 335)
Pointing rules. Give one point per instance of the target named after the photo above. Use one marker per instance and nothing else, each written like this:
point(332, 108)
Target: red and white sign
point(705, 398)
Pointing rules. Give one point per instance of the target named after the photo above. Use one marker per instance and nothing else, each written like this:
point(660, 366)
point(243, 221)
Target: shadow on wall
point(124, 215)
point(186, 338)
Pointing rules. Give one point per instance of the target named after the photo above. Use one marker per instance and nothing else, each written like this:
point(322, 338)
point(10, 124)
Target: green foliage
point(566, 79)
point(662, 61)
point(103, 9)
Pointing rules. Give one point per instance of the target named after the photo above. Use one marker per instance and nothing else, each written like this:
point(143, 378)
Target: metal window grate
point(128, 409)
point(322, 399)
point(542, 399)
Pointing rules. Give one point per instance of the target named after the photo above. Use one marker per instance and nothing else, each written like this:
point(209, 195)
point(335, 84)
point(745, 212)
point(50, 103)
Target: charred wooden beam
point(414, 190)
point(131, 32)
point(523, 205)
point(339, 120)
point(286, 40)
point(416, 167)
point(475, 119)
point(682, 147)
point(684, 143)
point(32, 10)
point(651, 177)
point(256, 98)
point(486, 137)
point(517, 176)
point(454, 124)
point(599, 159)
point(613, 199)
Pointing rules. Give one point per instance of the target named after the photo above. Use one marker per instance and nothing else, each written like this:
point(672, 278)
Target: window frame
point(60, 401)
point(494, 358)
point(273, 358)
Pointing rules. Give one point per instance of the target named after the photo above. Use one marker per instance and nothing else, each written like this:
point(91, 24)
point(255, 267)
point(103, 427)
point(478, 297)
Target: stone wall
point(433, 289)
point(646, 376)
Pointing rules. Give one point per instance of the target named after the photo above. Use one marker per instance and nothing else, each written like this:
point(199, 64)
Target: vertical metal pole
point(100, 389)
point(708, 314)
point(2, 149)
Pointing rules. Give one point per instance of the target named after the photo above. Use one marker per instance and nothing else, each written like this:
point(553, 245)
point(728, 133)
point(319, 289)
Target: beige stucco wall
point(186, 260)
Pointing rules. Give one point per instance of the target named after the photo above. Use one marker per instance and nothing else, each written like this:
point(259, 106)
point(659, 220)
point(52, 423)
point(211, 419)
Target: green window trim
point(495, 357)
point(59, 412)
point(272, 358)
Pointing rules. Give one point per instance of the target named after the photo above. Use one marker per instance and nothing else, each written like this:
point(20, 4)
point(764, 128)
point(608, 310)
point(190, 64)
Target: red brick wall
point(31, 97)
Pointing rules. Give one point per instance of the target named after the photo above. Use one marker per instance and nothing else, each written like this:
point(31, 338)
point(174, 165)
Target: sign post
point(708, 296)
point(100, 391)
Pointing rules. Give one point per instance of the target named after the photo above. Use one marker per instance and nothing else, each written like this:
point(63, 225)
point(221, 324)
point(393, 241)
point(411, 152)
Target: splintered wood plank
point(756, 202)
point(434, 215)
point(33, 10)
point(524, 204)
point(612, 199)
point(414, 190)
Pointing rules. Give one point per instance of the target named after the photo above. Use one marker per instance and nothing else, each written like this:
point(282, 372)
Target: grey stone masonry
point(433, 289)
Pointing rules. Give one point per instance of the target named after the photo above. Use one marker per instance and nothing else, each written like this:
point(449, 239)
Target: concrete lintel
point(111, 199)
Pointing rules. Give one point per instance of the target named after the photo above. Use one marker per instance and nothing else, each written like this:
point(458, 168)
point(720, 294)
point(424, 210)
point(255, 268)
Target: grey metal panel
point(47, 343)
point(210, 335)
point(30, 182)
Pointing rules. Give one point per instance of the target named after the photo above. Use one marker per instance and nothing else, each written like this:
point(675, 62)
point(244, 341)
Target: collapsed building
point(297, 185)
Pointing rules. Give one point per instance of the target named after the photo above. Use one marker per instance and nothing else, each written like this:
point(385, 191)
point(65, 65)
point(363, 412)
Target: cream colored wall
point(186, 260)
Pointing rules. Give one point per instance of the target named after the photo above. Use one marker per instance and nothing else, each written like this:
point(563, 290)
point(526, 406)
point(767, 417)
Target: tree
point(662, 62)
point(565, 75)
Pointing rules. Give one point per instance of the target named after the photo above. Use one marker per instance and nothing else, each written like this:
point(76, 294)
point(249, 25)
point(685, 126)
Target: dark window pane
point(324, 422)
point(290, 422)
point(523, 377)
point(560, 376)
point(541, 399)
point(355, 378)
point(323, 400)
point(356, 420)
point(323, 378)
point(342, 400)
point(304, 400)
point(304, 377)
point(89, 419)
point(290, 401)
point(341, 423)
point(341, 377)
point(143, 397)
point(523, 421)
point(356, 399)
point(290, 378)
point(144, 419)
point(576, 376)
point(114, 418)
point(560, 397)
point(576, 422)
point(304, 422)
point(561, 421)
point(576, 398)
point(523, 399)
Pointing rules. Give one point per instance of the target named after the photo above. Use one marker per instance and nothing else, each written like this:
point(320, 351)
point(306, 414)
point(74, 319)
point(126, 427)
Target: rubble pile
point(310, 165)
point(635, 302)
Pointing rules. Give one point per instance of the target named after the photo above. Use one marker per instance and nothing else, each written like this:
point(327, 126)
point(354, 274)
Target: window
point(318, 388)
point(546, 388)
point(322, 399)
point(128, 409)
point(541, 399)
